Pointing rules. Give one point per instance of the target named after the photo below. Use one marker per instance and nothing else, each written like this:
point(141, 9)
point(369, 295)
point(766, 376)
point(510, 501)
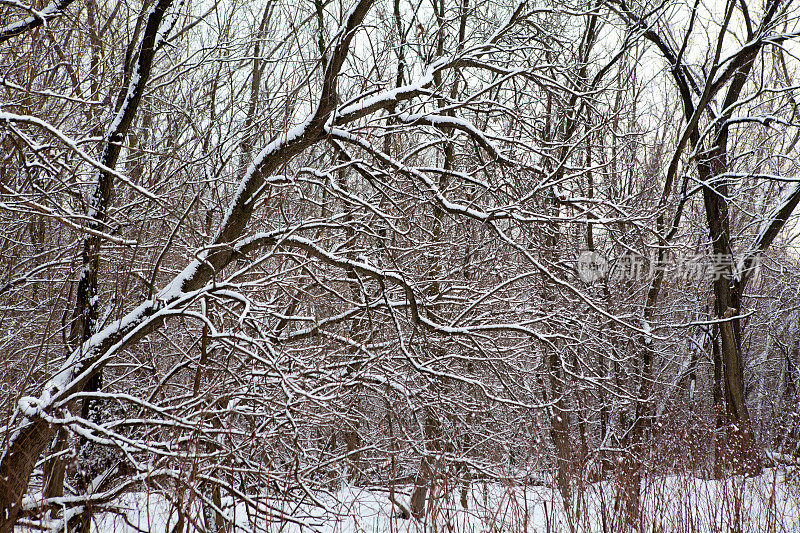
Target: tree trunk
point(738, 452)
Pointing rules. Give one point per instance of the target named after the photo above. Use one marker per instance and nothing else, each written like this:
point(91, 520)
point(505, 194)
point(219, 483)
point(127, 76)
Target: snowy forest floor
point(768, 503)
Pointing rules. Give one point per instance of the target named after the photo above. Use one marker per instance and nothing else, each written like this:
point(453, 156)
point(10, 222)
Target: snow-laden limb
point(506, 25)
point(67, 218)
point(447, 204)
point(769, 229)
point(328, 175)
point(73, 145)
point(33, 431)
point(106, 343)
point(510, 212)
point(33, 420)
point(51, 94)
point(52, 10)
point(363, 105)
point(355, 109)
point(442, 121)
point(569, 287)
point(647, 336)
point(121, 122)
point(274, 239)
point(246, 193)
point(85, 310)
point(289, 144)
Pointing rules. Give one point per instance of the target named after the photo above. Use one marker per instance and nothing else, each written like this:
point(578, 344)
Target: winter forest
point(399, 265)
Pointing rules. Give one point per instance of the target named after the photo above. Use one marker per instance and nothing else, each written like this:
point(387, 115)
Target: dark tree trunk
point(738, 451)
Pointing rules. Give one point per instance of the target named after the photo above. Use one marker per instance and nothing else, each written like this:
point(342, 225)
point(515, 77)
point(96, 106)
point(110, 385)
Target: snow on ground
point(769, 503)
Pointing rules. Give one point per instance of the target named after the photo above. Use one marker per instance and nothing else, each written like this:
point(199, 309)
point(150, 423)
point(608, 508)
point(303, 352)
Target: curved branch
point(34, 432)
point(53, 10)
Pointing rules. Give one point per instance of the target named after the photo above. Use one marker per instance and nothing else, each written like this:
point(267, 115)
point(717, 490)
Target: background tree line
point(258, 248)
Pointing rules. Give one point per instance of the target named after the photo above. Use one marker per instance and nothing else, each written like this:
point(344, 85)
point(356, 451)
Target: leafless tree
point(267, 249)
